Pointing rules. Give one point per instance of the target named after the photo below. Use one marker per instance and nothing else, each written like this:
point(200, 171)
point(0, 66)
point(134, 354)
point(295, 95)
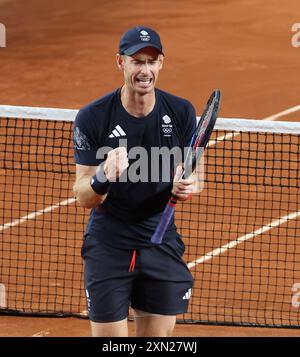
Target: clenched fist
point(116, 163)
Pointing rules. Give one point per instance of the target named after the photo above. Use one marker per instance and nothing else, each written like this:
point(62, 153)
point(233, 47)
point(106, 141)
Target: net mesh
point(241, 232)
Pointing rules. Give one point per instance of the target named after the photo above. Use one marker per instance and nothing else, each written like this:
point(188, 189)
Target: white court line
point(261, 230)
point(244, 238)
point(32, 215)
point(294, 109)
point(273, 117)
point(42, 333)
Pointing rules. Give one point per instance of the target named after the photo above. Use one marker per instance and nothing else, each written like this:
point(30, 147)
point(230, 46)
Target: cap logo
point(144, 36)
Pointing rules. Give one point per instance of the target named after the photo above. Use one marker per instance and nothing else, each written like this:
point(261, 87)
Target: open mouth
point(144, 80)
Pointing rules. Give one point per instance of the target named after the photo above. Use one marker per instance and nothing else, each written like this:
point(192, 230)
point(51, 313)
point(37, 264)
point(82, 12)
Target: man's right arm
point(84, 193)
point(113, 167)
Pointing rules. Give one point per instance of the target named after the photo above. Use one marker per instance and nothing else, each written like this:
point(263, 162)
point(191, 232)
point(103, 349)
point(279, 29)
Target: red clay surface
point(61, 54)
point(69, 327)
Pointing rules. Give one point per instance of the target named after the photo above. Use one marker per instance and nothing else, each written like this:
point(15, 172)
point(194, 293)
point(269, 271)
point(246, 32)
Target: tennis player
point(122, 267)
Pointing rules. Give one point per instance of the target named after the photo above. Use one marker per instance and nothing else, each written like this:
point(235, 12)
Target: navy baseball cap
point(137, 38)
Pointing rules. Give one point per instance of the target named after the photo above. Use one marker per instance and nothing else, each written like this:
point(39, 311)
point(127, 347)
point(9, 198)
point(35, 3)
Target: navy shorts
point(152, 279)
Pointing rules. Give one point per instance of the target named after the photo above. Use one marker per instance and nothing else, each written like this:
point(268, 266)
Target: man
point(122, 267)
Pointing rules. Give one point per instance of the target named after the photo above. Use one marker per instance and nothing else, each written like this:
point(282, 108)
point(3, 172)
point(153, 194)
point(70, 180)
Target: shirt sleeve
point(85, 135)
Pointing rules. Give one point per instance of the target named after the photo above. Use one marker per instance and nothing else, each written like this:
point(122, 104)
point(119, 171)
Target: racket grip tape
point(164, 222)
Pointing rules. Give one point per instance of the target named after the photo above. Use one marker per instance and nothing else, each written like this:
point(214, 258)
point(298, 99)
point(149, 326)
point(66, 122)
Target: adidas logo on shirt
point(187, 295)
point(117, 132)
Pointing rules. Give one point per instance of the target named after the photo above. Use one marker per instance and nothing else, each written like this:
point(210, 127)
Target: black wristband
point(99, 182)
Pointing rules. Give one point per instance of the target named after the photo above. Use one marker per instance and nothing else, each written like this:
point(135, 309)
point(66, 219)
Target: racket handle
point(164, 221)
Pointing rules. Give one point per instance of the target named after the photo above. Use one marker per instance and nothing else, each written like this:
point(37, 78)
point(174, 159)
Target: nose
point(145, 68)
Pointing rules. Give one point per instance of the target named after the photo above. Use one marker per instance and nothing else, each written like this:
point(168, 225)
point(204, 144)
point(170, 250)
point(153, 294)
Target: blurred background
point(61, 53)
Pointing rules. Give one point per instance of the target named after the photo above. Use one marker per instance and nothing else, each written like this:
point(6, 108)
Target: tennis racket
point(199, 141)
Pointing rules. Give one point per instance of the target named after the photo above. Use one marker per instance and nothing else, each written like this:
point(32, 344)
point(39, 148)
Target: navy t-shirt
point(134, 203)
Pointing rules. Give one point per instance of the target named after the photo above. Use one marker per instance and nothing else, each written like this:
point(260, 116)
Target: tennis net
point(241, 232)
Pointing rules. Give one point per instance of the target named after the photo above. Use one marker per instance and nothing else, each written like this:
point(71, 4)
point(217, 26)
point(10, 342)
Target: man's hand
point(182, 188)
point(116, 163)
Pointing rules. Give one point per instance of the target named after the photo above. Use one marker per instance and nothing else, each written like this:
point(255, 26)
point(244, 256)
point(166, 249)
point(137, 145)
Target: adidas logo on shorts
point(187, 295)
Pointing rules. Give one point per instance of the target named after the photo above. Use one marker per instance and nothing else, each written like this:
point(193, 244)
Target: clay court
point(61, 54)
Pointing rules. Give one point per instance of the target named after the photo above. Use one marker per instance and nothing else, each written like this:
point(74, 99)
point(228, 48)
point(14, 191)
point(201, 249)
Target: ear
point(120, 61)
point(161, 61)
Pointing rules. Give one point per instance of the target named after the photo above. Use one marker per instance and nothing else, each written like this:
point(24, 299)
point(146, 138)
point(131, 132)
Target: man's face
point(141, 69)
